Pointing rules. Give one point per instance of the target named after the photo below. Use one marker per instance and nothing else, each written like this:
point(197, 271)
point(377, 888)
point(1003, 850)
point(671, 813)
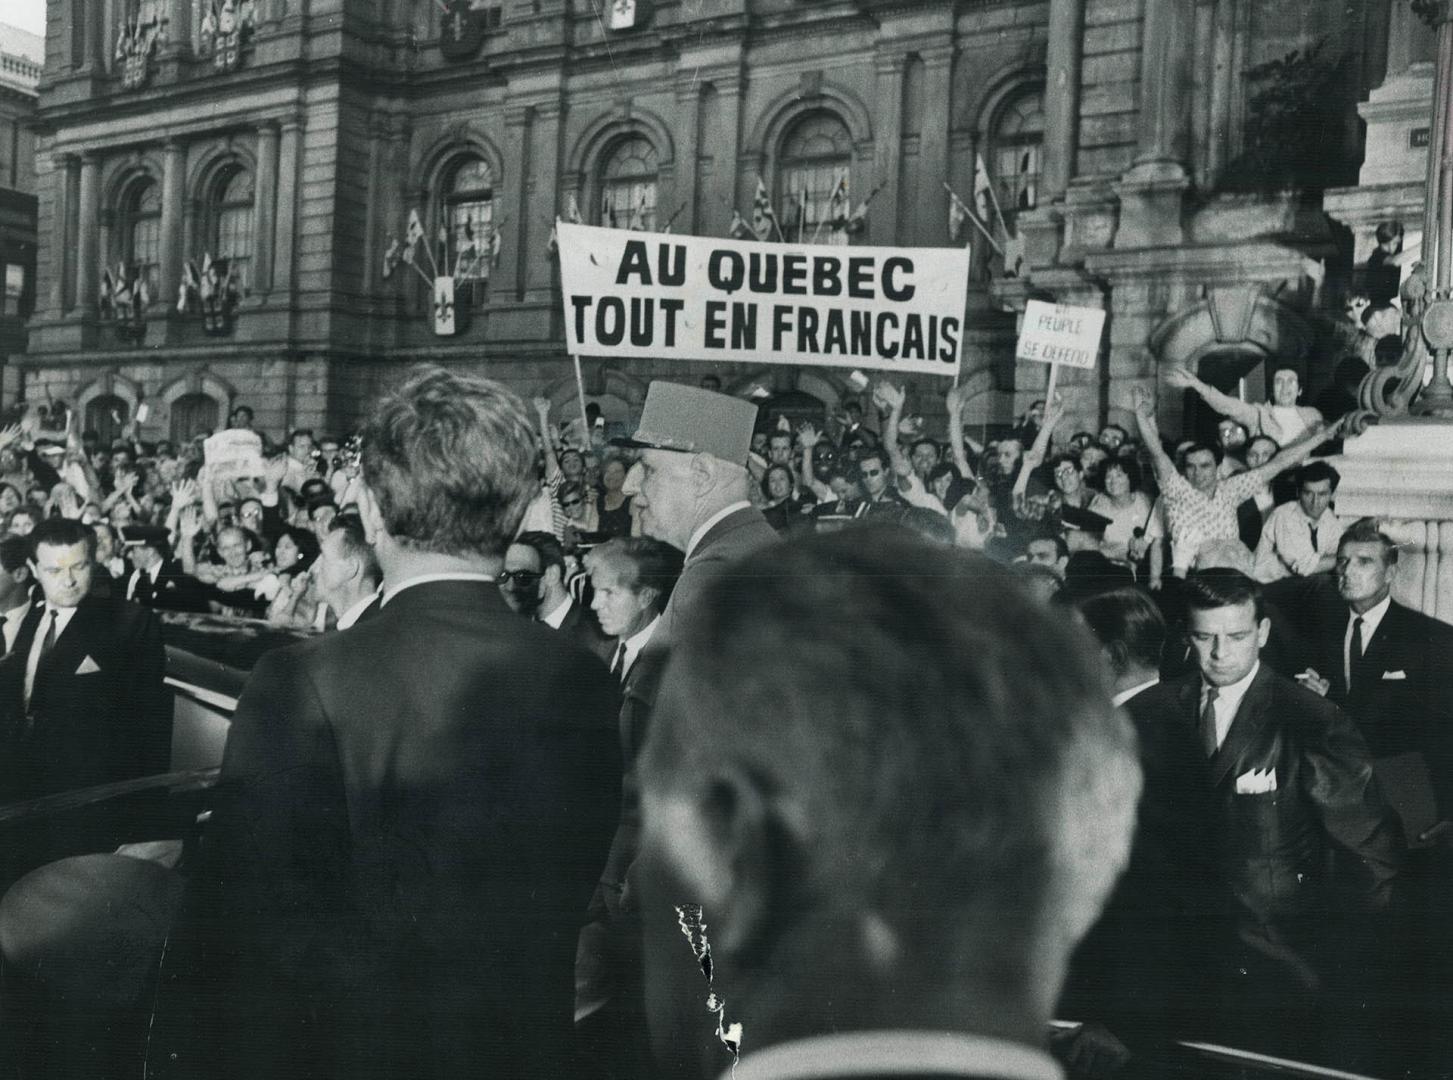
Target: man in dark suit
point(82, 701)
point(413, 812)
point(533, 584)
point(157, 580)
point(693, 491)
point(894, 834)
point(1389, 666)
point(1283, 788)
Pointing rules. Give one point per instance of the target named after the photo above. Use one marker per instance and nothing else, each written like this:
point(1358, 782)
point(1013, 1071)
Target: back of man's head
point(448, 459)
point(1128, 624)
point(14, 553)
point(878, 760)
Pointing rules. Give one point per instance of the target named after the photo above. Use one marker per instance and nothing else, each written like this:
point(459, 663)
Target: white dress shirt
point(557, 616)
point(893, 1053)
point(1125, 695)
point(151, 571)
point(634, 644)
point(13, 618)
point(705, 526)
point(1286, 541)
point(62, 618)
point(1228, 700)
point(349, 617)
point(1371, 620)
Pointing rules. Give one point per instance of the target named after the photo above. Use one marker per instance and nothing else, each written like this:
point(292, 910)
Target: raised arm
point(1149, 429)
point(1295, 454)
point(891, 397)
point(954, 402)
point(542, 414)
point(1054, 412)
point(1224, 404)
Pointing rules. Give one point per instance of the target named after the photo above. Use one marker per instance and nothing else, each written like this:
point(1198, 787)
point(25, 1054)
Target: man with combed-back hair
point(896, 826)
point(413, 812)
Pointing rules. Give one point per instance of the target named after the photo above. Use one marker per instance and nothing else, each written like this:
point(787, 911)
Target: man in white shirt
point(1300, 538)
point(348, 572)
point(631, 580)
point(15, 585)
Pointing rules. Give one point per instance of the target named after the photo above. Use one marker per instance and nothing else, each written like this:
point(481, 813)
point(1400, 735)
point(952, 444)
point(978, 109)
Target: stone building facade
point(21, 57)
point(293, 138)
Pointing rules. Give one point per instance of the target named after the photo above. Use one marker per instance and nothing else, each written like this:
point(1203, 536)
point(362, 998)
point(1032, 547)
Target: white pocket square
point(1256, 782)
point(88, 667)
point(1394, 675)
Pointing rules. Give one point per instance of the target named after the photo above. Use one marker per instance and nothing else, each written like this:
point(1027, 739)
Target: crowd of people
point(1154, 752)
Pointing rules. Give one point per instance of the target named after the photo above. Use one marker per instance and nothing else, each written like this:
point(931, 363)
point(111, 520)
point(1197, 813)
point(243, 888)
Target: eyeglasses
point(572, 502)
point(518, 577)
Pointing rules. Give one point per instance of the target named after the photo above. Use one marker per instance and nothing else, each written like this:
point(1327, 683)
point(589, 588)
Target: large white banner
point(639, 294)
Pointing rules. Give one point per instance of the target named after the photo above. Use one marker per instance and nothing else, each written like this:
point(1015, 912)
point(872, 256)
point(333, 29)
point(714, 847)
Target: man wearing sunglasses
point(533, 584)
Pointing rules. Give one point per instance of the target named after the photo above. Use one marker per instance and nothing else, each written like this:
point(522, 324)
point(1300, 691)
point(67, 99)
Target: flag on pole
point(208, 283)
point(983, 190)
point(638, 215)
point(764, 218)
point(837, 205)
point(105, 300)
point(607, 210)
point(572, 215)
point(572, 210)
point(739, 229)
point(957, 216)
point(143, 293)
point(392, 255)
point(415, 231)
point(121, 291)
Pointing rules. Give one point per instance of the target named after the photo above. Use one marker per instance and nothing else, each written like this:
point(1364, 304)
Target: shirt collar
point(897, 1053)
point(18, 612)
point(638, 641)
point(349, 617)
point(1125, 695)
point(705, 526)
point(556, 617)
point(424, 579)
point(1371, 618)
point(1229, 697)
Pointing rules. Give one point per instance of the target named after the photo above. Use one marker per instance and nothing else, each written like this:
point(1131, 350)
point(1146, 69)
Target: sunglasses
point(518, 577)
point(572, 502)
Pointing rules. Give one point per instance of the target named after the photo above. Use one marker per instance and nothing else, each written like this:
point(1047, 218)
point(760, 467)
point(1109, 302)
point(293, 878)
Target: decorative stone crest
point(135, 45)
point(226, 28)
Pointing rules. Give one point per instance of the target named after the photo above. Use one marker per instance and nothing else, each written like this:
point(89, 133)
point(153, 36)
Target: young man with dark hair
point(533, 584)
point(348, 574)
point(81, 695)
point(1301, 538)
point(1271, 781)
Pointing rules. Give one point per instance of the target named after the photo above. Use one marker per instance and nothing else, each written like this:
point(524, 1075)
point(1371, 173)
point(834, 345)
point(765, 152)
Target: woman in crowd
point(782, 508)
point(613, 506)
point(1127, 507)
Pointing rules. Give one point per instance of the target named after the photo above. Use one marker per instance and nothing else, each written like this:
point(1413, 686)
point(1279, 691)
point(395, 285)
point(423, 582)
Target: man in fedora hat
point(693, 487)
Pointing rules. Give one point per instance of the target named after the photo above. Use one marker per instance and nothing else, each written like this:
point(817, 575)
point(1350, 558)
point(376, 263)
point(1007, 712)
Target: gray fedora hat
point(694, 421)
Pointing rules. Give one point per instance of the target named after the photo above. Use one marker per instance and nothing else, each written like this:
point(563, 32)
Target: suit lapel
point(1246, 728)
point(70, 646)
point(1378, 657)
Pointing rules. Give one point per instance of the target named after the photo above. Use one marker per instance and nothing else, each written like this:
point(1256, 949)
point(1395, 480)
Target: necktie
point(1354, 651)
point(47, 642)
point(1208, 722)
point(618, 665)
point(1312, 529)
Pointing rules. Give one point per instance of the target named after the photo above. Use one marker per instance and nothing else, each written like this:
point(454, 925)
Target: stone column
point(289, 153)
point(1061, 96)
point(507, 280)
point(88, 271)
point(65, 176)
point(265, 208)
point(887, 151)
point(1151, 193)
point(688, 141)
point(173, 194)
point(539, 204)
point(933, 146)
point(95, 30)
point(179, 27)
point(372, 236)
point(724, 183)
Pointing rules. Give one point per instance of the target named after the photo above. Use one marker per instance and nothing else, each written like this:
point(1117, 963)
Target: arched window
point(193, 414)
point(628, 185)
point(140, 232)
point(813, 190)
point(230, 232)
point(106, 415)
point(468, 219)
point(1017, 151)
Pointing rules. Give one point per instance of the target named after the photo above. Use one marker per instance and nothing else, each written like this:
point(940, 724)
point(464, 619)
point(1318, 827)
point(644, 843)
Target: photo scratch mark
point(693, 925)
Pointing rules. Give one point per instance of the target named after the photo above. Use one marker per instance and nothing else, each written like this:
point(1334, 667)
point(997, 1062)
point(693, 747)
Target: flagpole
point(994, 198)
point(801, 213)
point(580, 390)
point(974, 218)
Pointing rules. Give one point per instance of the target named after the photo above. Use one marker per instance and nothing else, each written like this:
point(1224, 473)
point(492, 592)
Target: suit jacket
point(99, 711)
point(581, 625)
point(1274, 849)
point(733, 537)
point(412, 816)
point(1402, 690)
point(173, 590)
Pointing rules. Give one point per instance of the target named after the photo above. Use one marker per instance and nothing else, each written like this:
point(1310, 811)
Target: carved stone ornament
point(623, 16)
point(135, 45)
point(226, 28)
